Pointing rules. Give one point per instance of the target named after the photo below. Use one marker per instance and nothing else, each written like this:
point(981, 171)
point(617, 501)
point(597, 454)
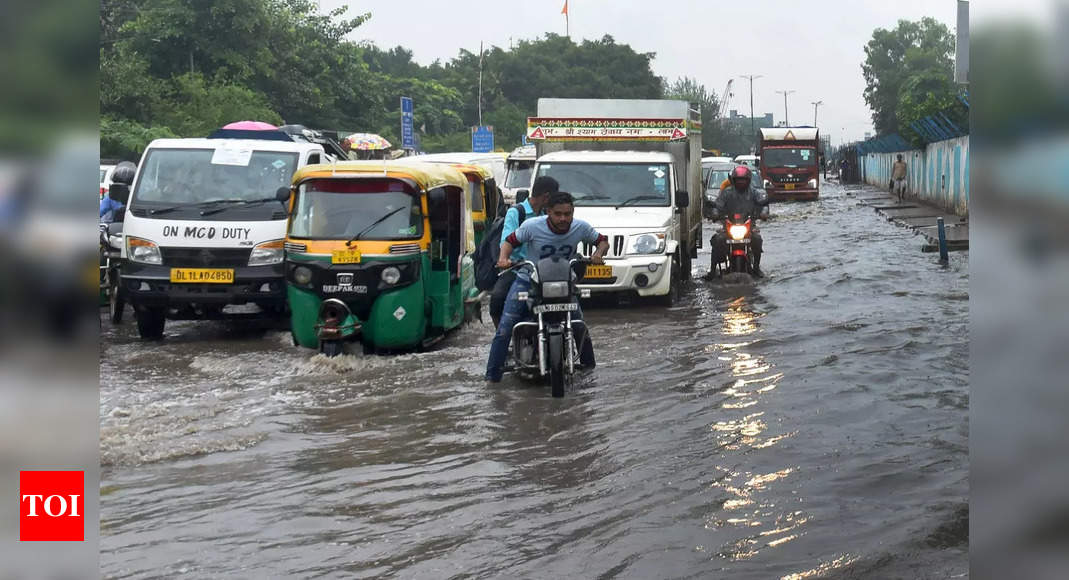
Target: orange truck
point(790, 163)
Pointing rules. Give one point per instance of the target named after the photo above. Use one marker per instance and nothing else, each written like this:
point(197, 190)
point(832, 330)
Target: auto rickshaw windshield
point(339, 209)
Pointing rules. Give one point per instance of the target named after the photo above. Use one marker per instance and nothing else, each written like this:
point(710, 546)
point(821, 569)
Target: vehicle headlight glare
point(302, 275)
point(812, 183)
point(144, 251)
point(737, 232)
point(391, 275)
point(267, 253)
point(766, 183)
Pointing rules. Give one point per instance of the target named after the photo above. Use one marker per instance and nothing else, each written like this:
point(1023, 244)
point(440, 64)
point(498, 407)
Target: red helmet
point(740, 173)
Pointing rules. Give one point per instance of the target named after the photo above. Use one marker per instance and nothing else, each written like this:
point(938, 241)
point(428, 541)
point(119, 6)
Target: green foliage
point(126, 139)
point(691, 90)
point(908, 70)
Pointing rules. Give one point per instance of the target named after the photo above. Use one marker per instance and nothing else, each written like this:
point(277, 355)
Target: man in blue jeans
point(555, 234)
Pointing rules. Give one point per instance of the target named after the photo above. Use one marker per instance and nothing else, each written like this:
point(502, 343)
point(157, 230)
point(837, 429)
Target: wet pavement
point(813, 424)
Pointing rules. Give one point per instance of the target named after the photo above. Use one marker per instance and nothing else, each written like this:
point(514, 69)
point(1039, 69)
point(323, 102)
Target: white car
point(105, 178)
point(753, 161)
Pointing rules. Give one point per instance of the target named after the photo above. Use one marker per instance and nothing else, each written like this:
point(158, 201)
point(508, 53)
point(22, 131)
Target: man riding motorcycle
point(555, 234)
point(743, 198)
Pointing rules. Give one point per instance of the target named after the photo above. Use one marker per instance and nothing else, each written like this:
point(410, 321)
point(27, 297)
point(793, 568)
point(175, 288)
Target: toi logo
point(51, 506)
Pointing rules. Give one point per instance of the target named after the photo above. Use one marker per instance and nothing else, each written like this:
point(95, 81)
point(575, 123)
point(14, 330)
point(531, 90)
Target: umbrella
point(251, 126)
point(366, 142)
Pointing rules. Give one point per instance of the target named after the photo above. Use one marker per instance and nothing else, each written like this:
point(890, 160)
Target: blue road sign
point(482, 139)
point(408, 140)
point(524, 140)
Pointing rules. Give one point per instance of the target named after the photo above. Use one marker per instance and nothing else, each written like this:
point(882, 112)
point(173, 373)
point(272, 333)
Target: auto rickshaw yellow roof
point(466, 168)
point(425, 175)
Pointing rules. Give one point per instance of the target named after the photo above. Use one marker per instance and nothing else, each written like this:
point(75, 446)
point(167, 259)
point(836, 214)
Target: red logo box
point(51, 506)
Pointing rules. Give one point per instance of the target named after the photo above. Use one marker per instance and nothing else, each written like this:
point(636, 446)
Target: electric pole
point(753, 132)
point(786, 121)
point(815, 105)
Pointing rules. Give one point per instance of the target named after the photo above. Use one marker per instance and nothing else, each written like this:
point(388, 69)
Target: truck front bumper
point(150, 285)
point(792, 194)
point(646, 275)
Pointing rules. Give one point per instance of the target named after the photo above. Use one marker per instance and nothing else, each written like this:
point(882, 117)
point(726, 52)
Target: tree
point(688, 89)
point(894, 57)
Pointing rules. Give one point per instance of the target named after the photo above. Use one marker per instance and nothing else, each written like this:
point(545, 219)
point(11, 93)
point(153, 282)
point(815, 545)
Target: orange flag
point(564, 10)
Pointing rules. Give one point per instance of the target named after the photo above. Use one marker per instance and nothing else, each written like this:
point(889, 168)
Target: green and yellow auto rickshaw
point(379, 253)
point(484, 196)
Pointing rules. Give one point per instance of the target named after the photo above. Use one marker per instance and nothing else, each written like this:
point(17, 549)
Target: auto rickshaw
point(379, 253)
point(485, 197)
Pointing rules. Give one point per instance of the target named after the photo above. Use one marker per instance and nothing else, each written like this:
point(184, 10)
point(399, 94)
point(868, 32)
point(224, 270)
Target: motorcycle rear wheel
point(556, 364)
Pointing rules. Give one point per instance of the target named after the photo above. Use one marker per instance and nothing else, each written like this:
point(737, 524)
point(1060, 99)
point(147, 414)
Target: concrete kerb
point(922, 217)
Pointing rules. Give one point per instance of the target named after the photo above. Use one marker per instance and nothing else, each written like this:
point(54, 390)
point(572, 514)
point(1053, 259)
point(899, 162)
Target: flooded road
point(812, 425)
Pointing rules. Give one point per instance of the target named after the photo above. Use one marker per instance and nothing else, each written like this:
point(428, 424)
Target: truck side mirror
point(282, 194)
point(119, 192)
point(522, 195)
point(682, 198)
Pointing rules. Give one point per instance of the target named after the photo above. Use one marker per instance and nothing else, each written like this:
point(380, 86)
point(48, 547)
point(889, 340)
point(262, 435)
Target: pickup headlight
point(812, 184)
point(267, 253)
point(142, 250)
point(652, 243)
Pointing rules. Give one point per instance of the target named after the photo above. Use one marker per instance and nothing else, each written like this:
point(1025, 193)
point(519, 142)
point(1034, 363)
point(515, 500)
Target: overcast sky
point(814, 48)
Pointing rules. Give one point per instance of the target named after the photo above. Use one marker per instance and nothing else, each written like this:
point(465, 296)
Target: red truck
point(790, 163)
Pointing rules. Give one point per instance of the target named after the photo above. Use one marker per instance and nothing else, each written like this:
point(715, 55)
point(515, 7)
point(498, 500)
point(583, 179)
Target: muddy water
point(812, 424)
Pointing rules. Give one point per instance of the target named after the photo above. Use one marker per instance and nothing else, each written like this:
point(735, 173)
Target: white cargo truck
point(204, 229)
point(634, 167)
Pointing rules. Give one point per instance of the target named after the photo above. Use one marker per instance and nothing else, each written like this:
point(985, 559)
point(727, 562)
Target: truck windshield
point(789, 157)
point(612, 184)
point(338, 209)
point(172, 177)
point(520, 174)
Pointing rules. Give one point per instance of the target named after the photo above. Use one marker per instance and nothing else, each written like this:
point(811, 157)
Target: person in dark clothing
point(742, 198)
point(532, 206)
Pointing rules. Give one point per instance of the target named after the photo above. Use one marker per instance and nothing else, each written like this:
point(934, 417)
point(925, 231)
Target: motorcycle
point(548, 347)
point(110, 285)
point(739, 260)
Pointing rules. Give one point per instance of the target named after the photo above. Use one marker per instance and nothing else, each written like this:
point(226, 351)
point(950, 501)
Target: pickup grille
point(205, 257)
point(616, 247)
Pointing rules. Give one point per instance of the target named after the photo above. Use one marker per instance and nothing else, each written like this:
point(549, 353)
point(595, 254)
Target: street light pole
point(815, 105)
point(786, 121)
point(753, 131)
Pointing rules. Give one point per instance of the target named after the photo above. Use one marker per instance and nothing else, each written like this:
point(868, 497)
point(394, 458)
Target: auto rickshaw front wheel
point(150, 322)
point(331, 348)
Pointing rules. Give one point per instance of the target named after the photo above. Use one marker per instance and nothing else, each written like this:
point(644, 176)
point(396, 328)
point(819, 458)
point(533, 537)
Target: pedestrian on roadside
point(532, 206)
point(898, 177)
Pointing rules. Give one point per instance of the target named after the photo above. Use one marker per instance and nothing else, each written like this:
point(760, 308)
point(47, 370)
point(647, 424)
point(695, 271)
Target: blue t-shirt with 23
point(541, 242)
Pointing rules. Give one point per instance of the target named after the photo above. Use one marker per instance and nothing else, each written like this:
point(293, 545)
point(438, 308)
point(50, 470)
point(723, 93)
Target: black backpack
point(489, 249)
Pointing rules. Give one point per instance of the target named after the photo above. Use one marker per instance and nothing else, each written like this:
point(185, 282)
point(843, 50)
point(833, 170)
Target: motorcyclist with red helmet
point(743, 198)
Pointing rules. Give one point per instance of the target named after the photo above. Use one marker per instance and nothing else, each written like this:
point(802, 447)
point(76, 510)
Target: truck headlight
point(652, 243)
point(812, 184)
point(142, 250)
point(267, 253)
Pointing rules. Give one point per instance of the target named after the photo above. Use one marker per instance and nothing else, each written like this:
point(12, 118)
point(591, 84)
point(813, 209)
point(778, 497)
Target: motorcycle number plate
point(566, 307)
point(788, 186)
point(202, 275)
point(345, 257)
point(593, 271)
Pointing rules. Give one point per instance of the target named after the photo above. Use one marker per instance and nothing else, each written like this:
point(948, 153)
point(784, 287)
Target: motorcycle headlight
point(738, 232)
point(391, 275)
point(267, 253)
point(555, 290)
point(652, 243)
point(142, 250)
point(302, 275)
point(812, 184)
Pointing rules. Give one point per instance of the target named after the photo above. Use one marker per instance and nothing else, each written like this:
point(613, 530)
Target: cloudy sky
point(814, 48)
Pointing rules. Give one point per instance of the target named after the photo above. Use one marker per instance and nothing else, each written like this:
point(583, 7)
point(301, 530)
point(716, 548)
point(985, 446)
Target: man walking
point(898, 177)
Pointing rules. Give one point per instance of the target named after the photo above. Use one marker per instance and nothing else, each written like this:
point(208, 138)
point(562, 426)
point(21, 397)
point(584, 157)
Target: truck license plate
point(345, 257)
point(566, 307)
point(593, 271)
point(202, 275)
point(788, 186)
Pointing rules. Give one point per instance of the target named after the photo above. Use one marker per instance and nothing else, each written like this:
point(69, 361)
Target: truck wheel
point(684, 264)
point(116, 302)
point(556, 364)
point(150, 322)
point(672, 296)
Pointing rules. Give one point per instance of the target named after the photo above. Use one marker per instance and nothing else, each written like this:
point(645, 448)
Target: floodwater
point(814, 424)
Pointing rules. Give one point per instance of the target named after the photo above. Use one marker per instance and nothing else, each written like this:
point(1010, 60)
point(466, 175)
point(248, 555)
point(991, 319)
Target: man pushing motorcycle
point(739, 198)
point(556, 234)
